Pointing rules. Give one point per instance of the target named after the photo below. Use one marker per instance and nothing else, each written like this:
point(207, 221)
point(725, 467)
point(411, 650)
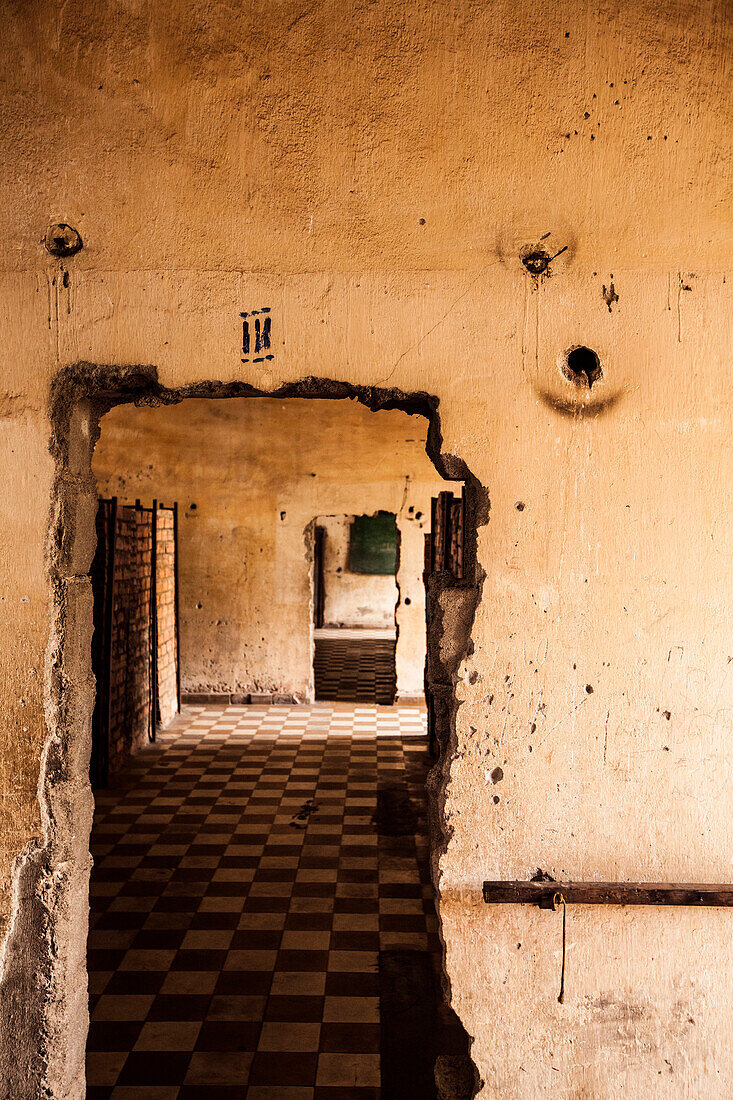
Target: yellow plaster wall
point(362, 599)
point(217, 159)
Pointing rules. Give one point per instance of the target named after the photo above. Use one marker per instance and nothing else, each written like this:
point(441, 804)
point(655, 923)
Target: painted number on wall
point(256, 328)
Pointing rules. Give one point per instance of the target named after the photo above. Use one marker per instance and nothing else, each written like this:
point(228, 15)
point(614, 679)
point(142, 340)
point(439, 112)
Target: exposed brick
point(131, 659)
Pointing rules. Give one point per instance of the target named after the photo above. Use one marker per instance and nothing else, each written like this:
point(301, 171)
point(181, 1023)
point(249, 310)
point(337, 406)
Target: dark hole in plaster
point(520, 506)
point(497, 775)
point(589, 689)
point(407, 601)
point(582, 366)
point(536, 261)
point(62, 240)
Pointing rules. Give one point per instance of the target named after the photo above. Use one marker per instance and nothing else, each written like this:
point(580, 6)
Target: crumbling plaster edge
point(43, 954)
point(45, 940)
point(467, 597)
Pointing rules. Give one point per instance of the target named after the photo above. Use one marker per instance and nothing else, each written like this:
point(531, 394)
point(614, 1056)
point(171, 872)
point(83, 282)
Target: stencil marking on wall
point(256, 328)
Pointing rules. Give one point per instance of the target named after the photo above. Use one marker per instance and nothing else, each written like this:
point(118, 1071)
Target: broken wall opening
point(52, 945)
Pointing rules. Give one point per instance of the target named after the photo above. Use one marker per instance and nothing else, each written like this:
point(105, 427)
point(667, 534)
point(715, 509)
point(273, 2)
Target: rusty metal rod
point(608, 893)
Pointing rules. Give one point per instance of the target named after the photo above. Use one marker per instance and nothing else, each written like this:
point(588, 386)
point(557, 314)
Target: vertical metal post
point(319, 592)
point(464, 524)
point(175, 605)
point(153, 621)
point(109, 612)
point(434, 522)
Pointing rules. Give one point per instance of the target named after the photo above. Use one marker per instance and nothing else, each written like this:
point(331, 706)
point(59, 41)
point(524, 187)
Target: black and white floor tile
point(253, 870)
point(355, 670)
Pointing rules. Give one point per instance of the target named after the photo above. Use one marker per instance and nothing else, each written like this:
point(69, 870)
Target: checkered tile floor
point(354, 670)
point(240, 898)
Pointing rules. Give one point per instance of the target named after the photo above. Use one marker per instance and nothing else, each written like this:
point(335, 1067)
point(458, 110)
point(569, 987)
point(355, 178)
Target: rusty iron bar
point(607, 893)
point(153, 627)
point(176, 602)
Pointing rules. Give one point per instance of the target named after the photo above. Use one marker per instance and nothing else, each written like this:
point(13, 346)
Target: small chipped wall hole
point(62, 240)
point(536, 261)
point(582, 366)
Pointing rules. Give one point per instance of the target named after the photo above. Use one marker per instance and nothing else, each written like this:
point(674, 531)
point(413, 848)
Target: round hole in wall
point(536, 260)
point(582, 366)
point(62, 240)
point(407, 601)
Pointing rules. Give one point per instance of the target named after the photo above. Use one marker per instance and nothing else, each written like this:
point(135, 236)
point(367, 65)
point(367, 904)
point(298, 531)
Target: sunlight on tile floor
point(240, 896)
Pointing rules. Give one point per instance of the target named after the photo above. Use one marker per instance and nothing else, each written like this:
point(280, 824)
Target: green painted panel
point(373, 544)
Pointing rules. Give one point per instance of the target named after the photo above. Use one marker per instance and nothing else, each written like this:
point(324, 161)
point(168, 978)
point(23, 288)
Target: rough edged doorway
point(51, 946)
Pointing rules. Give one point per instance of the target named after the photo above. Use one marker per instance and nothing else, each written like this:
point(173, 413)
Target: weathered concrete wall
point(250, 476)
point(354, 599)
point(371, 173)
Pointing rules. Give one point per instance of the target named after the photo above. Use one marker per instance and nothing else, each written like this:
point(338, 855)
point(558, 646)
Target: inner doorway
point(262, 919)
point(355, 598)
